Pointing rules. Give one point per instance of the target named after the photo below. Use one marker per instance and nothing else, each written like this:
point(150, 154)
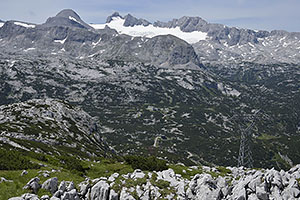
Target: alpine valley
point(181, 91)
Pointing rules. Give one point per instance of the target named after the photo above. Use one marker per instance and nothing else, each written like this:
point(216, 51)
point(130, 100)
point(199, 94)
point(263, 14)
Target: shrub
point(13, 160)
point(71, 163)
point(146, 163)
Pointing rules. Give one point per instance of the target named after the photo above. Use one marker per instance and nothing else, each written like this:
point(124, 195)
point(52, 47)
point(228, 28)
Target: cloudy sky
point(254, 14)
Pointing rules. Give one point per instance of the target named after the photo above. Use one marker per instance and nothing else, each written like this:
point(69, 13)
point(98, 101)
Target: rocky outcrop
point(100, 191)
point(132, 21)
point(237, 183)
point(51, 185)
point(2, 179)
point(33, 185)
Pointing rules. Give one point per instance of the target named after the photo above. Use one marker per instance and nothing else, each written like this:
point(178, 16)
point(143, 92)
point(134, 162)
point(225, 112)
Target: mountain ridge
point(216, 43)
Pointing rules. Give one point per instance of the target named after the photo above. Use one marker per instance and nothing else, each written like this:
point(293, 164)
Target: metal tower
point(245, 154)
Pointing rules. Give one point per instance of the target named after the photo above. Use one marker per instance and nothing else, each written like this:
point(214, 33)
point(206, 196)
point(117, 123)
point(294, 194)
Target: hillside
point(183, 92)
point(50, 127)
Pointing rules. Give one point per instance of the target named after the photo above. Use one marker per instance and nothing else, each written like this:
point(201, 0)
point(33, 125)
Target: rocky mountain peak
point(133, 21)
point(66, 13)
point(110, 18)
point(186, 24)
point(67, 17)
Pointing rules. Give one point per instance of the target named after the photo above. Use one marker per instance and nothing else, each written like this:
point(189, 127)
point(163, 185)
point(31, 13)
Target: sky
point(252, 14)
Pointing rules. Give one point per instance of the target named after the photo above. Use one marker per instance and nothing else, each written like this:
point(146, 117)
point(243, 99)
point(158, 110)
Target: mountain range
point(217, 43)
point(181, 90)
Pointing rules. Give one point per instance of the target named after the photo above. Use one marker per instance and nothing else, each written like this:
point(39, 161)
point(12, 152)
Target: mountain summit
point(67, 17)
point(66, 13)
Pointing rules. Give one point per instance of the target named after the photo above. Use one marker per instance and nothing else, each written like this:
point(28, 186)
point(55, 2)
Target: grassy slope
point(93, 170)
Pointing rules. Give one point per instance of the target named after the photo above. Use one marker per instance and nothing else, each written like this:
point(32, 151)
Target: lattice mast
point(245, 154)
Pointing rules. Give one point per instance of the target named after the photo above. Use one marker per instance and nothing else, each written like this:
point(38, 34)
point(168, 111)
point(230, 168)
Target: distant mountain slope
point(215, 42)
point(51, 127)
point(66, 33)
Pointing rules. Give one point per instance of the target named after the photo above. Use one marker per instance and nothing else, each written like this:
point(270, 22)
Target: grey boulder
point(100, 191)
point(51, 185)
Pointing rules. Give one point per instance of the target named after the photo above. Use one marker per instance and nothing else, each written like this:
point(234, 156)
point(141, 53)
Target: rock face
point(237, 183)
point(33, 185)
point(67, 18)
point(175, 51)
point(51, 185)
point(100, 191)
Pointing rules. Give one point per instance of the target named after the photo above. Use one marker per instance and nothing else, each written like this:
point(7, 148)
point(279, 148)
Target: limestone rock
point(51, 185)
point(125, 195)
point(54, 198)
point(113, 177)
point(100, 191)
point(62, 186)
point(2, 179)
point(70, 185)
point(16, 198)
point(29, 196)
point(24, 172)
point(70, 195)
point(137, 174)
point(33, 185)
point(113, 195)
point(45, 197)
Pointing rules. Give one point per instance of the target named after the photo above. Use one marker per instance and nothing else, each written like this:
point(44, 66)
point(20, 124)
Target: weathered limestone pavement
point(237, 184)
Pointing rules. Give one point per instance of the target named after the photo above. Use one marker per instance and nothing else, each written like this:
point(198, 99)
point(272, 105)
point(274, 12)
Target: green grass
point(13, 160)
point(266, 137)
point(106, 168)
point(73, 169)
point(185, 171)
point(223, 171)
point(15, 188)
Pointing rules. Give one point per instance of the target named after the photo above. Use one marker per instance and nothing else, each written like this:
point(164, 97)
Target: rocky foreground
point(213, 183)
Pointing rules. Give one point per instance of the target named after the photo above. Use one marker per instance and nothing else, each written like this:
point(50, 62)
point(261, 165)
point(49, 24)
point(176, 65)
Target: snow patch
point(61, 41)
point(283, 38)
point(73, 19)
point(24, 25)
point(151, 31)
point(226, 90)
point(29, 49)
point(96, 43)
point(250, 44)
point(1, 24)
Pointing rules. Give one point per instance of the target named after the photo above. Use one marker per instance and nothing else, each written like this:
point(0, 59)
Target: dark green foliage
point(68, 162)
point(13, 160)
point(71, 163)
point(146, 163)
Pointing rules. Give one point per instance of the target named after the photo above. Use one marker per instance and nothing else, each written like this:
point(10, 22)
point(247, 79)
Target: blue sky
point(253, 14)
